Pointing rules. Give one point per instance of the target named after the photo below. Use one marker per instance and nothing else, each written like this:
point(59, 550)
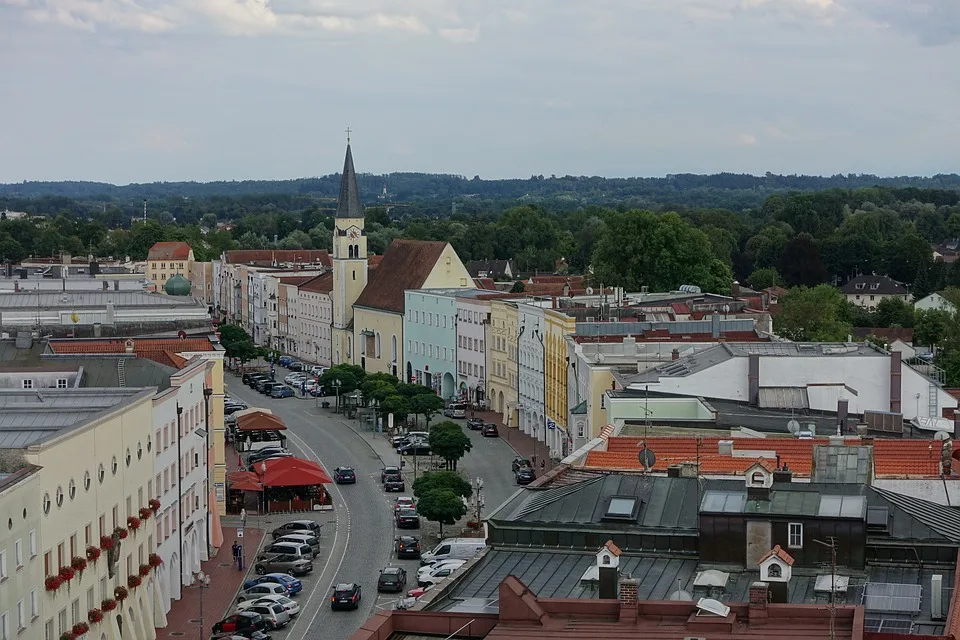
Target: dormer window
point(757, 477)
point(859, 285)
point(774, 571)
point(606, 560)
point(874, 286)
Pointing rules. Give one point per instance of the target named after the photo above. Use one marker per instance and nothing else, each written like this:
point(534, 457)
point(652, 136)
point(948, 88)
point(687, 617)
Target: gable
point(448, 272)
point(407, 264)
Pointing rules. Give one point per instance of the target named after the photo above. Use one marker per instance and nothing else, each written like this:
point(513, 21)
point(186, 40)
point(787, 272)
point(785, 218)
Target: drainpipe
point(543, 348)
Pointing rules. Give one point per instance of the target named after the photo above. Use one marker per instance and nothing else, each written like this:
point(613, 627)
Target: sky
point(127, 91)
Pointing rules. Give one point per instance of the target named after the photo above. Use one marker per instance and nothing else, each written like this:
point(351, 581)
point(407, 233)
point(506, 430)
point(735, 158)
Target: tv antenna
point(831, 544)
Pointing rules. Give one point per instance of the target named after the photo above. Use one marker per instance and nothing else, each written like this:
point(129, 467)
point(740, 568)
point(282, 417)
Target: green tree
point(409, 390)
point(448, 441)
point(396, 404)
point(209, 220)
point(426, 405)
point(377, 390)
point(251, 240)
point(894, 312)
point(442, 481)
point(237, 343)
point(443, 507)
point(931, 327)
point(813, 314)
point(350, 376)
point(296, 240)
point(764, 278)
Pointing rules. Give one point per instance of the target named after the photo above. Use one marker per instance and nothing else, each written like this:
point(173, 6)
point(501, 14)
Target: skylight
point(711, 607)
point(624, 507)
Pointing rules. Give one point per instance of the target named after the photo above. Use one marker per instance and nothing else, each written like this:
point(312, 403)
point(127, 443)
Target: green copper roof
point(177, 286)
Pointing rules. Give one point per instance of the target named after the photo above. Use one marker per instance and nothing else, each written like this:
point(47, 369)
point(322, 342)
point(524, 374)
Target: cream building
point(502, 339)
point(166, 259)
point(21, 569)
point(88, 503)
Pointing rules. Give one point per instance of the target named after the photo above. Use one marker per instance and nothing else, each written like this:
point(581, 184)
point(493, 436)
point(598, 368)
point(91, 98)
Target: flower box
point(53, 583)
point(154, 560)
point(78, 564)
point(120, 533)
point(67, 574)
point(106, 543)
point(145, 570)
point(134, 581)
point(94, 616)
point(68, 635)
point(108, 604)
point(93, 553)
point(133, 523)
point(145, 513)
point(154, 504)
point(80, 628)
point(120, 593)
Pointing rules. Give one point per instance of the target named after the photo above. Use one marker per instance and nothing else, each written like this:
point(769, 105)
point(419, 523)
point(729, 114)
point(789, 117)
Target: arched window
point(376, 345)
point(393, 349)
point(350, 251)
point(774, 571)
point(757, 478)
point(356, 251)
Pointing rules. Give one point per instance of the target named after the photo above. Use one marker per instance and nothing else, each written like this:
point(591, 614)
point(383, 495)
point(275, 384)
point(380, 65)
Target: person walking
point(236, 552)
point(243, 518)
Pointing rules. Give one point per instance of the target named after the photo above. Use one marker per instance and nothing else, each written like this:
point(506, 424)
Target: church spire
point(348, 202)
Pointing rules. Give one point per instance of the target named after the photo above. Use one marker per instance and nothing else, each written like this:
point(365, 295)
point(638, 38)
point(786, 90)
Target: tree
point(427, 405)
point(442, 506)
point(396, 404)
point(296, 240)
point(800, 262)
point(894, 312)
point(442, 480)
point(251, 240)
point(409, 390)
point(377, 390)
point(813, 314)
point(237, 343)
point(763, 278)
point(931, 327)
point(209, 220)
point(448, 441)
point(350, 376)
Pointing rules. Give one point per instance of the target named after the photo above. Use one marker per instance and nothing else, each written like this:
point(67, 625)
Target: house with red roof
point(167, 259)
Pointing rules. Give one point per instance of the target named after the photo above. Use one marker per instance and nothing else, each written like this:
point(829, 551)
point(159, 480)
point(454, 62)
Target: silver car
point(257, 591)
point(274, 614)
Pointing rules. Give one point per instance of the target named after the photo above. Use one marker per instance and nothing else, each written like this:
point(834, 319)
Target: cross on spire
point(348, 131)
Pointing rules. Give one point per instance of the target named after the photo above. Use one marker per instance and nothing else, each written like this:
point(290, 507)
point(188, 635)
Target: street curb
point(383, 463)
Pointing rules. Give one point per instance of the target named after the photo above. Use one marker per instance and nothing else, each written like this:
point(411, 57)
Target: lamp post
point(207, 393)
point(180, 494)
point(202, 581)
point(336, 385)
point(478, 492)
point(263, 486)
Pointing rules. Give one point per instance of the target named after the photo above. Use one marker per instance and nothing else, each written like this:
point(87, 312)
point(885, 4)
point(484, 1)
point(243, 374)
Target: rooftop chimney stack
point(843, 409)
point(608, 570)
point(759, 597)
point(675, 354)
point(628, 598)
point(783, 475)
point(956, 424)
point(753, 379)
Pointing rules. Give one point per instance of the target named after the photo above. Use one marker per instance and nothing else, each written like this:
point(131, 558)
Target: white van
point(304, 551)
point(454, 549)
point(455, 410)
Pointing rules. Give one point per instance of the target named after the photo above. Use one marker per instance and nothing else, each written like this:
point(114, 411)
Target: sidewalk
point(184, 617)
point(523, 444)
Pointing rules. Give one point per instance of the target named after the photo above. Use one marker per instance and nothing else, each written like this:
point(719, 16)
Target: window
point(28, 383)
point(61, 383)
point(4, 626)
point(48, 563)
point(34, 605)
point(774, 571)
point(3, 566)
point(21, 616)
point(48, 630)
point(32, 539)
point(18, 552)
point(795, 535)
point(88, 534)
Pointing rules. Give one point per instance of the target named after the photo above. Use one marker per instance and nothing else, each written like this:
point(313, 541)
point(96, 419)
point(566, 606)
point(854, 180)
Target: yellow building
point(21, 569)
point(89, 503)
point(502, 360)
point(166, 259)
point(557, 326)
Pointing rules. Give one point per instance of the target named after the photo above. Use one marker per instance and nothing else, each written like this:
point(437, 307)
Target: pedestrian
point(236, 551)
point(240, 557)
point(543, 465)
point(243, 517)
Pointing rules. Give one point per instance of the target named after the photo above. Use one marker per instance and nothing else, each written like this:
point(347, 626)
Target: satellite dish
point(589, 291)
point(793, 427)
point(598, 358)
point(647, 458)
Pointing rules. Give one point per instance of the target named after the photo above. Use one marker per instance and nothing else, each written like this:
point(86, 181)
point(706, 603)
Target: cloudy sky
point(142, 90)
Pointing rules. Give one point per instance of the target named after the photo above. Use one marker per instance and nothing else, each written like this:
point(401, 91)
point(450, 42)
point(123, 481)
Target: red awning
point(260, 421)
point(292, 472)
point(244, 481)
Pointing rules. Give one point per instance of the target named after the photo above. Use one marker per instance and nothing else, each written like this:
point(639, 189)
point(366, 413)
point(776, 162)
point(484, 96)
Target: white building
point(934, 302)
point(315, 319)
point(530, 370)
point(21, 570)
point(868, 290)
point(473, 316)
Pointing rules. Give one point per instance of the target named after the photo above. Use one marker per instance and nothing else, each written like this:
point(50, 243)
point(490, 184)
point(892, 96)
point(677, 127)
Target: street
point(358, 539)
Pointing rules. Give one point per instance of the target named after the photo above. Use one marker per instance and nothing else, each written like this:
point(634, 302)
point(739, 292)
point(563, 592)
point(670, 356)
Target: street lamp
point(200, 581)
point(336, 385)
point(478, 496)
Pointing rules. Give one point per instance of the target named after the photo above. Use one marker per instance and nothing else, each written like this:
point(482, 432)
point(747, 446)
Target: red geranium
point(145, 570)
point(133, 522)
point(134, 581)
point(67, 574)
point(80, 628)
point(120, 532)
point(68, 635)
point(108, 604)
point(154, 560)
point(78, 564)
point(145, 513)
point(106, 543)
point(120, 593)
point(94, 616)
point(94, 552)
point(52, 583)
point(154, 504)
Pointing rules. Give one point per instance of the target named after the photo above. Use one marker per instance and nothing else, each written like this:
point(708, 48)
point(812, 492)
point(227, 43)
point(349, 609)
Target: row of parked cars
point(414, 443)
point(266, 385)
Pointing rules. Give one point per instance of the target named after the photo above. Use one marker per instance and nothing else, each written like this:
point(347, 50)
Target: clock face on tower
point(354, 234)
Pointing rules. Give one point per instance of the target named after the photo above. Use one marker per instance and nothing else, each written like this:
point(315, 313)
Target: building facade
point(315, 321)
point(202, 282)
point(557, 368)
point(868, 290)
point(473, 318)
point(166, 259)
point(21, 568)
point(502, 345)
point(430, 329)
point(530, 370)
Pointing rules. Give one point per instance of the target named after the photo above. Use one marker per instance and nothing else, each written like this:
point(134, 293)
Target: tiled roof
point(374, 261)
point(296, 280)
point(169, 251)
point(318, 284)
point(561, 280)
point(680, 308)
point(778, 552)
point(612, 548)
point(893, 458)
point(267, 257)
point(406, 265)
point(885, 286)
point(485, 283)
point(162, 350)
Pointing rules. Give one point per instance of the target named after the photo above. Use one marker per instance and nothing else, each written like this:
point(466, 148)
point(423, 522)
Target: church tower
point(349, 261)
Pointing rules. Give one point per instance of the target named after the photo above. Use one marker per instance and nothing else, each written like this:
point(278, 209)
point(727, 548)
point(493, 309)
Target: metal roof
point(137, 372)
point(34, 300)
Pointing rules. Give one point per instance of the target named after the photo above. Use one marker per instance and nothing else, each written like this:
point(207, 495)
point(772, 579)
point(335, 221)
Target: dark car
point(246, 377)
point(475, 424)
point(268, 387)
point(388, 471)
point(283, 563)
point(518, 463)
point(346, 596)
point(241, 621)
point(282, 391)
point(392, 579)
point(232, 408)
point(255, 379)
point(416, 448)
point(525, 475)
point(344, 475)
point(284, 361)
point(490, 430)
point(298, 526)
point(408, 519)
point(394, 482)
point(266, 452)
point(249, 634)
point(408, 547)
point(263, 383)
point(295, 366)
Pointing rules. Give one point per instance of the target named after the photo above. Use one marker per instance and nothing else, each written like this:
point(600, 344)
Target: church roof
point(406, 265)
point(348, 202)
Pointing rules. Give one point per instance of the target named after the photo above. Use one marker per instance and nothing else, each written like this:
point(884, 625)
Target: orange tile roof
point(903, 458)
point(611, 547)
point(163, 350)
point(169, 251)
point(780, 553)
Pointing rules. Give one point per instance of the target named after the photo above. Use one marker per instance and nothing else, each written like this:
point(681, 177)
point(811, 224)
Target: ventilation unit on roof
point(828, 583)
point(711, 578)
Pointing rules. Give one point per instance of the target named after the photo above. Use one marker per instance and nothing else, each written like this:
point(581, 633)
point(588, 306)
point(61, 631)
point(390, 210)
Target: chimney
point(759, 597)
point(608, 570)
point(843, 408)
point(689, 470)
point(735, 290)
point(715, 325)
point(725, 447)
point(673, 471)
point(629, 347)
point(895, 382)
point(956, 424)
point(753, 379)
point(675, 354)
point(628, 598)
point(783, 475)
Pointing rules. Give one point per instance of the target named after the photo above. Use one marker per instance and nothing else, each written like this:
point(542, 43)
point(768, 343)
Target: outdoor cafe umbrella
point(292, 472)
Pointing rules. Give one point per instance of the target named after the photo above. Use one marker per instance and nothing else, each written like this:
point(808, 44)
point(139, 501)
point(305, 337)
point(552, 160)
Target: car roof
point(391, 570)
point(404, 499)
point(345, 586)
point(407, 512)
point(345, 468)
point(409, 539)
point(282, 576)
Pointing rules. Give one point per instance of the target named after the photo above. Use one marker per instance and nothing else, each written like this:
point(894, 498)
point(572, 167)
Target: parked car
point(394, 483)
point(292, 584)
point(404, 502)
point(280, 545)
point(295, 526)
point(346, 596)
point(264, 453)
point(490, 431)
point(519, 462)
point(246, 377)
point(392, 580)
point(345, 475)
point(451, 564)
point(418, 592)
point(283, 563)
point(254, 379)
point(475, 424)
point(262, 590)
point(282, 391)
point(525, 475)
point(294, 378)
point(408, 547)
point(284, 360)
point(275, 616)
point(302, 537)
point(295, 366)
point(436, 575)
point(388, 471)
point(233, 407)
point(454, 549)
point(241, 621)
point(408, 519)
point(455, 410)
point(290, 606)
point(249, 634)
point(317, 370)
point(417, 448)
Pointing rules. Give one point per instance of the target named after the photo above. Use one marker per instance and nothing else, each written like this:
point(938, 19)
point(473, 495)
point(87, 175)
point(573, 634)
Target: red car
point(242, 621)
